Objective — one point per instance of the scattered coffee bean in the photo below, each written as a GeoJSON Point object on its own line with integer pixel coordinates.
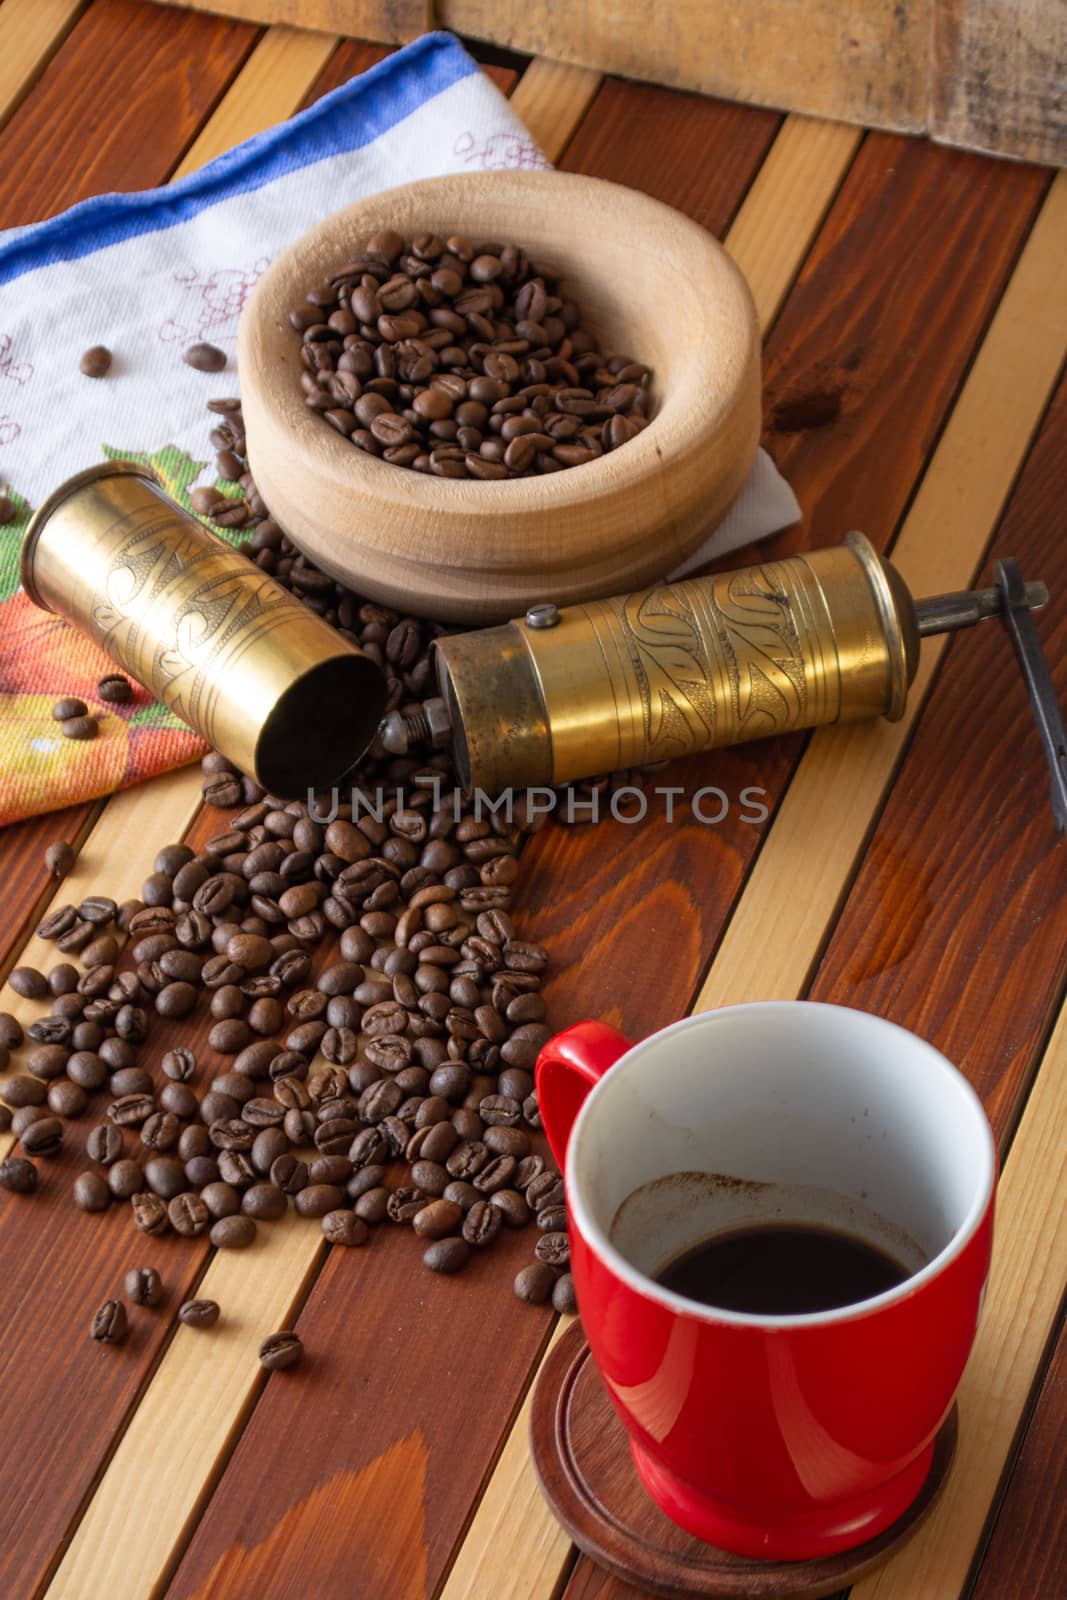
{"type": "Point", "coordinates": [7, 509]}
{"type": "Point", "coordinates": [344, 1228]}
{"type": "Point", "coordinates": [43, 1138]}
{"type": "Point", "coordinates": [563, 1297]}
{"type": "Point", "coordinates": [199, 1313]}
{"type": "Point", "coordinates": [143, 1286]}
{"type": "Point", "coordinates": [280, 1350]}
{"type": "Point", "coordinates": [91, 1192]}
{"type": "Point", "coordinates": [115, 688]}
{"type": "Point", "coordinates": [79, 728]}
{"type": "Point", "coordinates": [234, 1232]}
{"type": "Point", "coordinates": [535, 1283]}
{"type": "Point", "coordinates": [204, 357]}
{"type": "Point", "coordinates": [29, 984]}
{"type": "Point", "coordinates": [96, 361]}
{"type": "Point", "coordinates": [109, 1323]}
{"type": "Point", "coordinates": [447, 1255]}
{"type": "Point", "coordinates": [18, 1175]}
{"type": "Point", "coordinates": [59, 858]}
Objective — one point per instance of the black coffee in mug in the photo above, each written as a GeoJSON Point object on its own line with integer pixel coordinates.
{"type": "Point", "coordinates": [781, 1269]}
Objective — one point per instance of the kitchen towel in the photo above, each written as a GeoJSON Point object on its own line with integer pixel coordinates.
{"type": "Point", "coordinates": [149, 274]}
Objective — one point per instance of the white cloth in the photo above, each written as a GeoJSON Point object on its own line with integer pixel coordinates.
{"type": "Point", "coordinates": [148, 274]}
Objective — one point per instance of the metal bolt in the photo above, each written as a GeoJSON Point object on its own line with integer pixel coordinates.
{"type": "Point", "coordinates": [427, 724]}
{"type": "Point", "coordinates": [545, 615]}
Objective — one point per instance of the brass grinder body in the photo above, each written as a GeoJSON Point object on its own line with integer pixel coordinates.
{"type": "Point", "coordinates": [830, 636]}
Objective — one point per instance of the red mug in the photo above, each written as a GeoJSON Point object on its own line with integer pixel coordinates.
{"type": "Point", "coordinates": [782, 1437]}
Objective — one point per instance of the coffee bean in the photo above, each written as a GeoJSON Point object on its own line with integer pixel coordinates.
{"type": "Point", "coordinates": [109, 1324]}
{"type": "Point", "coordinates": [552, 1219]}
{"type": "Point", "coordinates": [438, 1219]}
{"type": "Point", "coordinates": [554, 1249]}
{"type": "Point", "coordinates": [29, 983]}
{"type": "Point", "coordinates": [66, 1099]}
{"type": "Point", "coordinates": [199, 1313]}
{"type": "Point", "coordinates": [43, 1138]}
{"type": "Point", "coordinates": [316, 1199]}
{"type": "Point", "coordinates": [535, 1283]}
{"type": "Point", "coordinates": [18, 1175]}
{"type": "Point", "coordinates": [79, 728]}
{"type": "Point", "coordinates": [482, 1223]}
{"type": "Point", "coordinates": [10, 1030]}
{"type": "Point", "coordinates": [96, 361]}
{"type": "Point", "coordinates": [116, 688]}
{"type": "Point", "coordinates": [447, 1255]}
{"type": "Point", "coordinates": [204, 357]}
{"type": "Point", "coordinates": [143, 1286]}
{"type": "Point", "coordinates": [280, 1350]}
{"type": "Point", "coordinates": [234, 1232]}
{"type": "Point", "coordinates": [149, 1213]}
{"type": "Point", "coordinates": [124, 1178]}
{"type": "Point", "coordinates": [168, 1176]}
{"type": "Point", "coordinates": [512, 1207]}
{"type": "Point", "coordinates": [59, 858]}
{"type": "Point", "coordinates": [104, 1144]}
{"type": "Point", "coordinates": [265, 1202]}
{"type": "Point", "coordinates": [221, 1199]}
{"type": "Point", "coordinates": [69, 706]}
{"type": "Point", "coordinates": [344, 1228]}
{"type": "Point", "coordinates": [189, 1216]}
{"type": "Point", "coordinates": [563, 1296]}
{"type": "Point", "coordinates": [23, 1090]}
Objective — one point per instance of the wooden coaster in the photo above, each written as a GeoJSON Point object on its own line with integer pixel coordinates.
{"type": "Point", "coordinates": [586, 1472]}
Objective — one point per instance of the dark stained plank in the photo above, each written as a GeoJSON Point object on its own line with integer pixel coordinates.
{"type": "Point", "coordinates": [658, 140]}
{"type": "Point", "coordinates": [116, 106]}
{"type": "Point", "coordinates": [423, 1373]}
{"type": "Point", "coordinates": [883, 302]}
{"type": "Point", "coordinates": [956, 924]}
{"type": "Point", "coordinates": [1026, 1556]}
{"type": "Point", "coordinates": [25, 882]}
{"type": "Point", "coordinates": [351, 57]}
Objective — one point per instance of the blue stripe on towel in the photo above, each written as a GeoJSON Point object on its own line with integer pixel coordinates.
{"type": "Point", "coordinates": [349, 118]}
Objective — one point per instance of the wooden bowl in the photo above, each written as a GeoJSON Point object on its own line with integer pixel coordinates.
{"type": "Point", "coordinates": [651, 284]}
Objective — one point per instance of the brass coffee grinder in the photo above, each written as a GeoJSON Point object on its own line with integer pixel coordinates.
{"type": "Point", "coordinates": [549, 698]}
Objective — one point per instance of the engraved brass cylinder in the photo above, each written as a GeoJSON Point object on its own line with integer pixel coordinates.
{"type": "Point", "coordinates": [643, 678]}
{"type": "Point", "coordinates": [263, 679]}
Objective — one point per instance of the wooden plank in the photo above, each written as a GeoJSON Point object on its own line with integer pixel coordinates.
{"type": "Point", "coordinates": [115, 104]}
{"type": "Point", "coordinates": [349, 59]}
{"type": "Point", "coordinates": [870, 287]}
{"type": "Point", "coordinates": [998, 77]}
{"type": "Point", "coordinates": [325, 1514]}
{"type": "Point", "coordinates": [771, 942]}
{"type": "Point", "coordinates": [30, 33]}
{"type": "Point", "coordinates": [488, 1574]}
{"type": "Point", "coordinates": [551, 98]}
{"type": "Point", "coordinates": [389, 21]}
{"type": "Point", "coordinates": [1021, 1310]}
{"type": "Point", "coordinates": [1027, 1551]}
{"type": "Point", "coordinates": [270, 88]}
{"type": "Point", "coordinates": [858, 60]}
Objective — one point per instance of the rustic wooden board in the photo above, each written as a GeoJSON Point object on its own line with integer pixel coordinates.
{"type": "Point", "coordinates": [873, 288]}
{"type": "Point", "coordinates": [998, 77]}
{"type": "Point", "coordinates": [116, 106]}
{"type": "Point", "coordinates": [1027, 1550]}
{"type": "Point", "coordinates": [861, 61]}
{"type": "Point", "coordinates": [390, 21]}
{"type": "Point", "coordinates": [551, 98]}
{"type": "Point", "coordinates": [30, 33]}
{"type": "Point", "coordinates": [28, 885]}
{"type": "Point", "coordinates": [328, 1473]}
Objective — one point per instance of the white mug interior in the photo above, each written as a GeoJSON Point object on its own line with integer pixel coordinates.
{"type": "Point", "coordinates": [779, 1110]}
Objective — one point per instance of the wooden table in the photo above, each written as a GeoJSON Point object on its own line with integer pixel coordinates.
{"type": "Point", "coordinates": [915, 307]}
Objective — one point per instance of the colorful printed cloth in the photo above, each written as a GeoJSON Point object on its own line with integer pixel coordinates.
{"type": "Point", "coordinates": [148, 274]}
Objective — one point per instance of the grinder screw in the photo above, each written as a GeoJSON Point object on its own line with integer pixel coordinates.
{"type": "Point", "coordinates": [427, 724]}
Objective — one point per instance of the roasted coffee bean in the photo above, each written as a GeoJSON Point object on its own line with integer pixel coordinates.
{"type": "Point", "coordinates": [482, 1223]}
{"type": "Point", "coordinates": [405, 1203]}
{"type": "Point", "coordinates": [130, 1110]}
{"type": "Point", "coordinates": [95, 362]}
{"type": "Point", "coordinates": [59, 858]}
{"type": "Point", "coordinates": [143, 1286]}
{"type": "Point", "coordinates": [125, 1178]}
{"type": "Point", "coordinates": [109, 1324]}
{"type": "Point", "coordinates": [552, 1219]}
{"type": "Point", "coordinates": [160, 1131]}
{"type": "Point", "coordinates": [280, 1350]}
{"type": "Point", "coordinates": [554, 1249]}
{"type": "Point", "coordinates": [344, 1228]}
{"type": "Point", "coordinates": [104, 1145]}
{"type": "Point", "coordinates": [221, 1199]}
{"type": "Point", "coordinates": [188, 1214]}
{"type": "Point", "coordinates": [149, 1212]}
{"type": "Point", "coordinates": [116, 688]}
{"type": "Point", "coordinates": [199, 1313]}
{"type": "Point", "coordinates": [467, 1159]}
{"type": "Point", "coordinates": [545, 1190]}
{"type": "Point", "coordinates": [535, 1283]}
{"type": "Point", "coordinates": [447, 1255]}
{"type": "Point", "coordinates": [438, 1219]}
{"type": "Point", "coordinates": [29, 983]}
{"type": "Point", "coordinates": [317, 1198]}
{"type": "Point", "coordinates": [204, 357]}
{"type": "Point", "coordinates": [563, 1297]}
{"type": "Point", "coordinates": [512, 1207]}
{"type": "Point", "coordinates": [23, 1090]}
{"type": "Point", "coordinates": [18, 1175]}
{"type": "Point", "coordinates": [266, 1202]}
{"type": "Point", "coordinates": [66, 1099]}
{"type": "Point", "coordinates": [10, 1031]}
{"type": "Point", "coordinates": [168, 1176]}
{"type": "Point", "coordinates": [235, 1232]}
{"type": "Point", "coordinates": [43, 1138]}
{"type": "Point", "coordinates": [179, 1064]}
{"type": "Point", "coordinates": [496, 1174]}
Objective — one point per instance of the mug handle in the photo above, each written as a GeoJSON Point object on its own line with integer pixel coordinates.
{"type": "Point", "coordinates": [568, 1066]}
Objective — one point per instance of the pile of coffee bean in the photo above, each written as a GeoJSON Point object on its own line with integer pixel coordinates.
{"type": "Point", "coordinates": [464, 360]}
{"type": "Point", "coordinates": [390, 1084]}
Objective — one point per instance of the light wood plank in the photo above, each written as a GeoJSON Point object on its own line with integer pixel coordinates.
{"type": "Point", "coordinates": [30, 30]}
{"type": "Point", "coordinates": [115, 859]}
{"type": "Point", "coordinates": [1020, 1315]}
{"type": "Point", "coordinates": [271, 86]}
{"type": "Point", "coordinates": [551, 98]}
{"type": "Point", "coordinates": [774, 938]}
{"type": "Point", "coordinates": [984, 441]}
{"type": "Point", "coordinates": [150, 1495]}
{"type": "Point", "coordinates": [783, 211]}
{"type": "Point", "coordinates": [997, 77]}
{"type": "Point", "coordinates": [512, 1517]}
